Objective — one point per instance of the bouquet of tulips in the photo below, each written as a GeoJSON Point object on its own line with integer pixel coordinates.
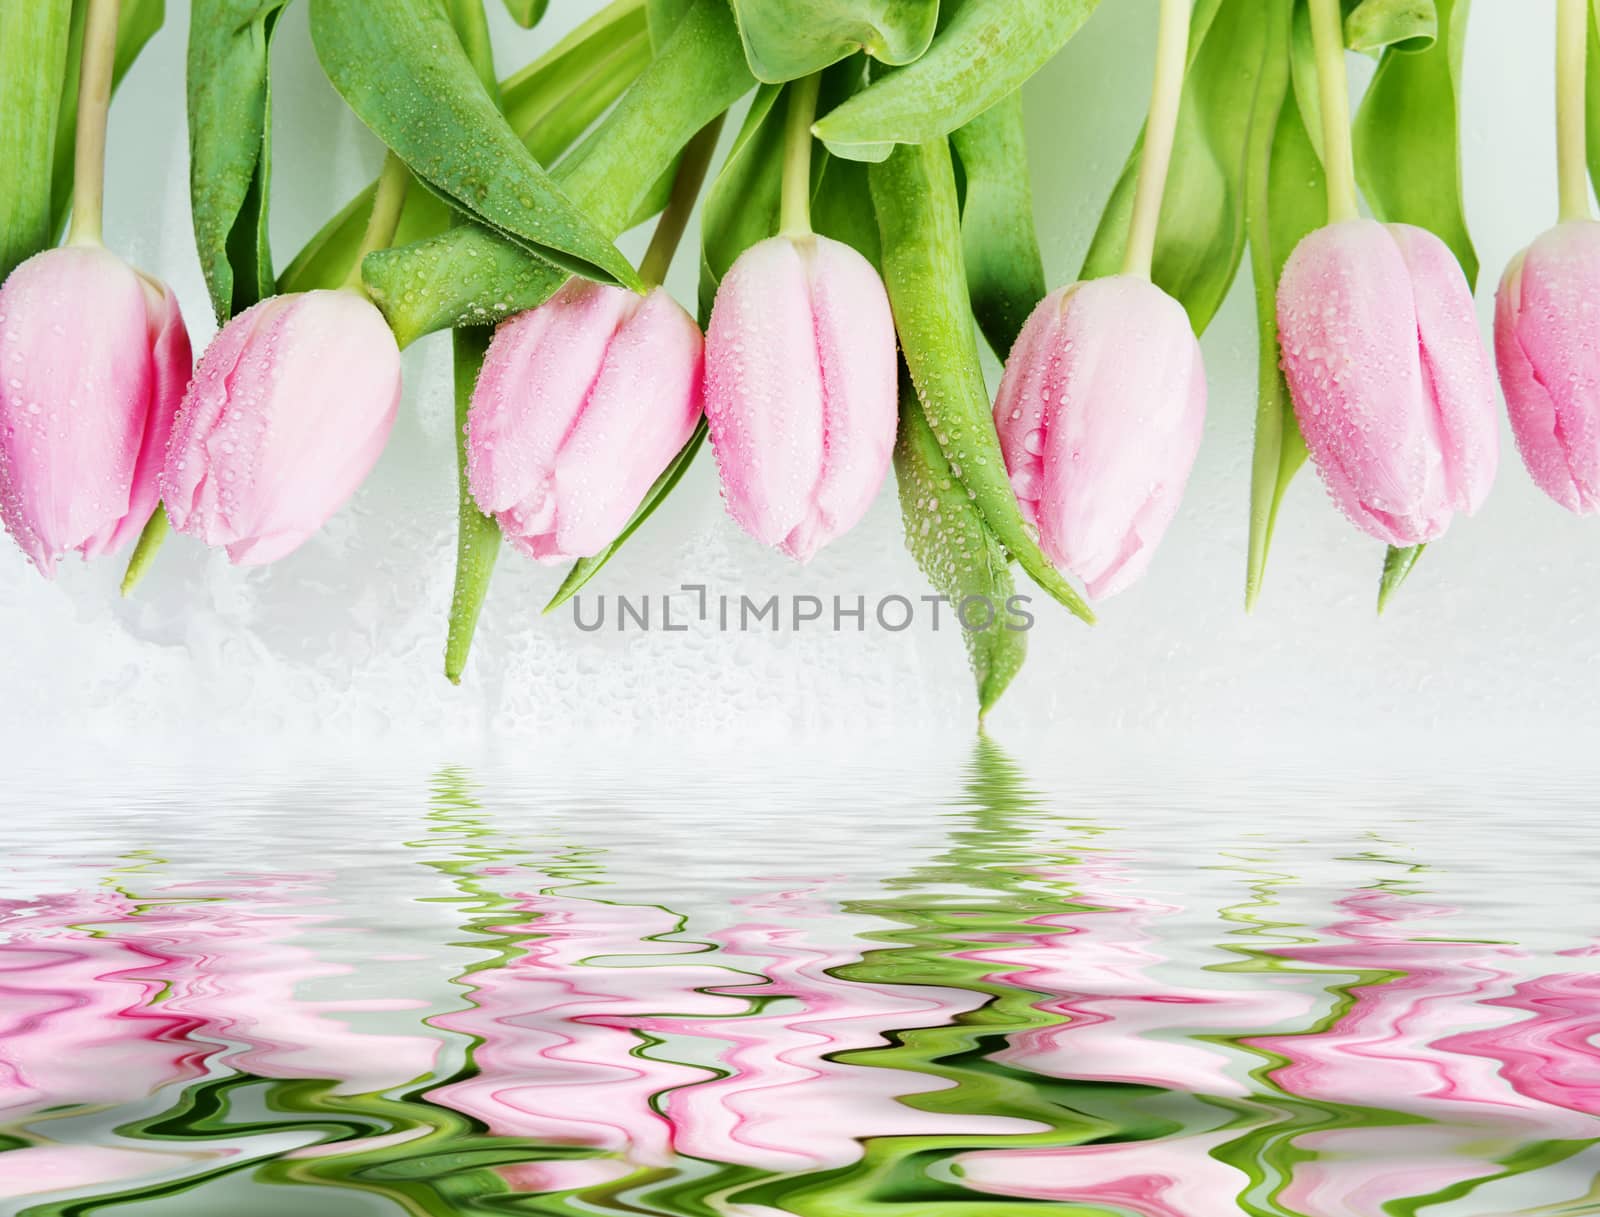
{"type": "Point", "coordinates": [870, 217]}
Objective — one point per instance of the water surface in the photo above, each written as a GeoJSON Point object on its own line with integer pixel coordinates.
{"type": "Point", "coordinates": [923, 986]}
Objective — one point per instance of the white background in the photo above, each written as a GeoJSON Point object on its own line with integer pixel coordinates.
{"type": "Point", "coordinates": [1492, 647]}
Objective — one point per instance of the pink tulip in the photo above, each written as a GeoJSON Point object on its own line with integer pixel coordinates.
{"type": "Point", "coordinates": [1392, 386]}
{"type": "Point", "coordinates": [801, 392]}
{"type": "Point", "coordinates": [582, 403]}
{"type": "Point", "coordinates": [289, 410]}
{"type": "Point", "coordinates": [93, 359]}
{"type": "Point", "coordinates": [1100, 413]}
{"type": "Point", "coordinates": [1545, 316]}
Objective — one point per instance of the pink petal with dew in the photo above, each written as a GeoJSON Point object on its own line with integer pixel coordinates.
{"type": "Point", "coordinates": [1347, 326]}
{"type": "Point", "coordinates": [764, 391]}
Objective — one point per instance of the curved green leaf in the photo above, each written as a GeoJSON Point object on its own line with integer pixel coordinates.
{"type": "Point", "coordinates": [984, 51]}
{"type": "Point", "coordinates": [787, 39]}
{"type": "Point", "coordinates": [477, 535]}
{"type": "Point", "coordinates": [1005, 273]}
{"type": "Point", "coordinates": [549, 104]}
{"type": "Point", "coordinates": [230, 147]}
{"type": "Point", "coordinates": [526, 13]}
{"type": "Point", "coordinates": [1407, 137]}
{"type": "Point", "coordinates": [1284, 201]}
{"type": "Point", "coordinates": [1397, 566]}
{"type": "Point", "coordinates": [1201, 236]}
{"type": "Point", "coordinates": [33, 61]}
{"type": "Point", "coordinates": [914, 195]}
{"type": "Point", "coordinates": [1406, 25]}
{"type": "Point", "coordinates": [947, 536]}
{"type": "Point", "coordinates": [470, 274]}
{"type": "Point", "coordinates": [401, 68]}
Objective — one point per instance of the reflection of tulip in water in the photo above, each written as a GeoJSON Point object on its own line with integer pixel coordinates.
{"type": "Point", "coordinates": [787, 1104]}
{"type": "Point", "coordinates": [1405, 1044]}
{"type": "Point", "coordinates": [105, 1000]}
{"type": "Point", "coordinates": [559, 1055]}
{"type": "Point", "coordinates": [93, 359]}
{"type": "Point", "coordinates": [1121, 1024]}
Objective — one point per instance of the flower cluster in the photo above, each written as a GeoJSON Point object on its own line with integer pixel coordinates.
{"type": "Point", "coordinates": [838, 343]}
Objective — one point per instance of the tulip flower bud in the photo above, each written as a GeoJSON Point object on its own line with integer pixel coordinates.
{"type": "Point", "coordinates": [290, 407]}
{"type": "Point", "coordinates": [93, 359]}
{"type": "Point", "coordinates": [1099, 414]}
{"type": "Point", "coordinates": [801, 394]}
{"type": "Point", "coordinates": [1392, 386]}
{"type": "Point", "coordinates": [582, 402]}
{"type": "Point", "coordinates": [1545, 317]}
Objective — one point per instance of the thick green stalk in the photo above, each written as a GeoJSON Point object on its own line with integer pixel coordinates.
{"type": "Point", "coordinates": [1333, 89]}
{"type": "Point", "coordinates": [1572, 36]}
{"type": "Point", "coordinates": [1172, 52]}
{"type": "Point", "coordinates": [94, 109]}
{"type": "Point", "coordinates": [387, 205]}
{"type": "Point", "coordinates": [795, 214]}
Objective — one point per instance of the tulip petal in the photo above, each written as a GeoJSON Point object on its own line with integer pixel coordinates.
{"type": "Point", "coordinates": [1457, 373]}
{"type": "Point", "coordinates": [76, 380]}
{"type": "Point", "coordinates": [640, 411]}
{"type": "Point", "coordinates": [764, 391]}
{"type": "Point", "coordinates": [536, 377]}
{"type": "Point", "coordinates": [1546, 312]}
{"type": "Point", "coordinates": [855, 353]}
{"type": "Point", "coordinates": [290, 409]}
{"type": "Point", "coordinates": [1347, 324]}
{"type": "Point", "coordinates": [1113, 371]}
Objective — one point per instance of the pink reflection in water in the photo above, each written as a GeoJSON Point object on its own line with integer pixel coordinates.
{"type": "Point", "coordinates": [561, 1057]}
{"type": "Point", "coordinates": [105, 999]}
{"type": "Point", "coordinates": [784, 1104]}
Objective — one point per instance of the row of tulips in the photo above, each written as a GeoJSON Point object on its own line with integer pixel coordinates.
{"type": "Point", "coordinates": [586, 401]}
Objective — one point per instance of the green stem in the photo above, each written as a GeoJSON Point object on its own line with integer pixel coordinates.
{"type": "Point", "coordinates": [98, 67]}
{"type": "Point", "coordinates": [795, 217]}
{"type": "Point", "coordinates": [680, 205]}
{"type": "Point", "coordinates": [1333, 91]}
{"type": "Point", "coordinates": [144, 552]}
{"type": "Point", "coordinates": [387, 205]}
{"type": "Point", "coordinates": [1172, 52]}
{"type": "Point", "coordinates": [1572, 37]}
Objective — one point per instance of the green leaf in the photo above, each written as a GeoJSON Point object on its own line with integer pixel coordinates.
{"type": "Point", "coordinates": [1406, 25]}
{"type": "Point", "coordinates": [1407, 139]}
{"type": "Point", "coordinates": [1591, 96]}
{"type": "Point", "coordinates": [230, 147]}
{"type": "Point", "coordinates": [1284, 201]}
{"type": "Point", "coordinates": [1397, 567]}
{"type": "Point", "coordinates": [137, 23]}
{"type": "Point", "coordinates": [1005, 273]}
{"type": "Point", "coordinates": [586, 569]}
{"type": "Point", "coordinates": [663, 17]}
{"type": "Point", "coordinates": [947, 536]}
{"type": "Point", "coordinates": [549, 104]}
{"type": "Point", "coordinates": [526, 13]}
{"type": "Point", "coordinates": [914, 195]}
{"type": "Point", "coordinates": [470, 274]}
{"type": "Point", "coordinates": [401, 68]}
{"type": "Point", "coordinates": [788, 39]}
{"type": "Point", "coordinates": [33, 60]}
{"type": "Point", "coordinates": [985, 51]}
{"type": "Point", "coordinates": [1201, 236]}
